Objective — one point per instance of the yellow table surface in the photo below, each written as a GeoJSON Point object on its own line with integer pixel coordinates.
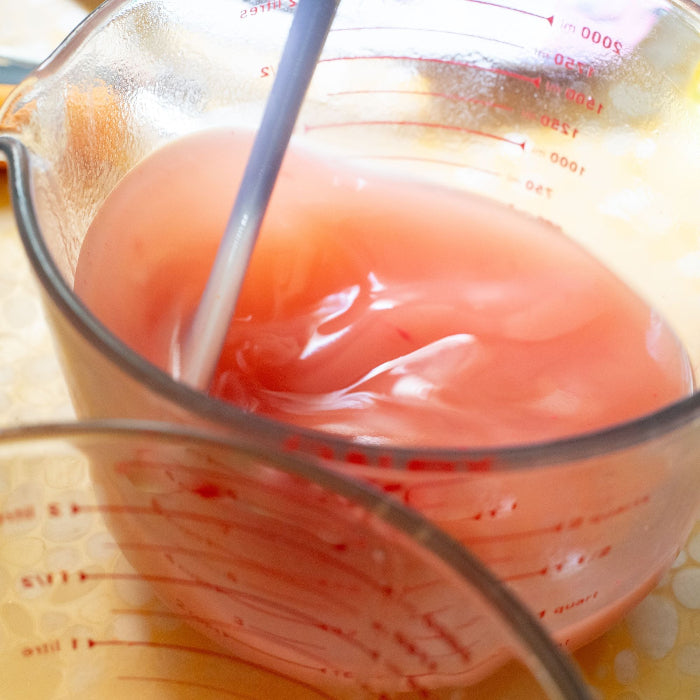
{"type": "Point", "coordinates": [653, 654]}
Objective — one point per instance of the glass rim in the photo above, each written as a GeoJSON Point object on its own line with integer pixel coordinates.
{"type": "Point", "coordinates": [409, 522]}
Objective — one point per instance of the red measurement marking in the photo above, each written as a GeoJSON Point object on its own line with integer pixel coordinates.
{"type": "Point", "coordinates": [463, 626]}
{"type": "Point", "coordinates": [526, 574]}
{"type": "Point", "coordinates": [538, 189]}
{"type": "Point", "coordinates": [481, 465]}
{"type": "Point", "coordinates": [44, 580]}
{"type": "Point", "coordinates": [411, 682]}
{"type": "Point", "coordinates": [185, 684]}
{"type": "Point", "coordinates": [421, 93]}
{"type": "Point", "coordinates": [304, 541]}
{"type": "Point", "coordinates": [166, 580]}
{"type": "Point", "coordinates": [267, 6]}
{"type": "Point", "coordinates": [281, 614]}
{"type": "Point", "coordinates": [289, 544]}
{"type": "Point", "coordinates": [571, 605]}
{"type": "Point", "coordinates": [350, 638]}
{"type": "Point", "coordinates": [407, 645]}
{"type": "Point", "coordinates": [184, 649]}
{"type": "Point", "coordinates": [231, 622]}
{"type": "Point", "coordinates": [605, 41]}
{"type": "Point", "coordinates": [435, 465]}
{"type": "Point", "coordinates": [452, 642]}
{"type": "Point", "coordinates": [20, 514]}
{"type": "Point", "coordinates": [208, 653]}
{"type": "Point", "coordinates": [290, 642]}
{"type": "Point", "coordinates": [321, 586]}
{"type": "Point", "coordinates": [489, 663]}
{"type": "Point", "coordinates": [323, 558]}
{"type": "Point", "coordinates": [177, 515]}
{"type": "Point", "coordinates": [359, 457]}
{"type": "Point", "coordinates": [219, 485]}
{"type": "Point", "coordinates": [424, 125]}
{"type": "Point", "coordinates": [302, 443]}
{"type": "Point", "coordinates": [643, 500]}
{"type": "Point", "coordinates": [423, 30]}
{"type": "Point", "coordinates": [562, 566]}
{"type": "Point", "coordinates": [294, 644]}
{"type": "Point", "coordinates": [524, 534]}
{"type": "Point", "coordinates": [495, 512]}
{"type": "Point", "coordinates": [423, 586]}
{"type": "Point", "coordinates": [218, 627]}
{"type": "Point", "coordinates": [513, 9]}
{"type": "Point", "coordinates": [444, 61]}
{"type": "Point", "coordinates": [570, 63]}
{"type": "Point", "coordinates": [259, 603]}
{"type": "Point", "coordinates": [171, 550]}
{"type": "Point", "coordinates": [45, 649]}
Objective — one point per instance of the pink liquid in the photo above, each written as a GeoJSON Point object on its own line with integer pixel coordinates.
{"type": "Point", "coordinates": [383, 310]}
{"type": "Point", "coordinates": [394, 312]}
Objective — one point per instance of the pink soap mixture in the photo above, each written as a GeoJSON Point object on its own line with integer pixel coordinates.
{"type": "Point", "coordinates": [394, 312]}
{"type": "Point", "coordinates": [381, 309]}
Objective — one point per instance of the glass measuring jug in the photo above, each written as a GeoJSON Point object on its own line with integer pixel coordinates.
{"type": "Point", "coordinates": [583, 113]}
{"type": "Point", "coordinates": [317, 586]}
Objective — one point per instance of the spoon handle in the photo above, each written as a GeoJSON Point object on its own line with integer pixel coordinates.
{"type": "Point", "coordinates": [205, 336]}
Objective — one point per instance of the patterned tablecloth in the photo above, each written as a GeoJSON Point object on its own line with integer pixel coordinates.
{"type": "Point", "coordinates": [654, 654]}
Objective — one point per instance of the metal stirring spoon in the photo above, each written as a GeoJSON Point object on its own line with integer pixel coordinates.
{"type": "Point", "coordinates": [205, 336]}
